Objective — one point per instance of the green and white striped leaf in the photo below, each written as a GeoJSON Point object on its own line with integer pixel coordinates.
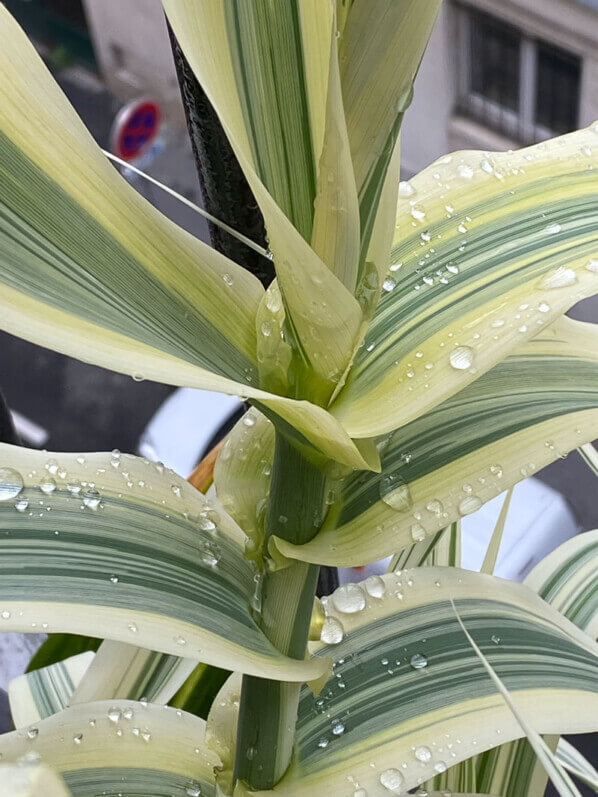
{"type": "Point", "coordinates": [92, 269]}
{"type": "Point", "coordinates": [536, 405]}
{"type": "Point", "coordinates": [488, 250]}
{"type": "Point", "coordinates": [568, 579]}
{"type": "Point", "coordinates": [383, 716]}
{"type": "Point", "coordinates": [440, 549]}
{"type": "Point", "coordinates": [545, 756]}
{"type": "Point", "coordinates": [122, 548]}
{"type": "Point", "coordinates": [126, 671]}
{"type": "Point", "coordinates": [380, 51]}
{"type": "Point", "coordinates": [120, 747]}
{"type": "Point", "coordinates": [39, 694]}
{"type": "Point", "coordinates": [265, 68]}
{"type": "Point", "coordinates": [30, 780]}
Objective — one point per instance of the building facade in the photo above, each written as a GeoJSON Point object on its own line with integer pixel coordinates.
{"type": "Point", "coordinates": [502, 75]}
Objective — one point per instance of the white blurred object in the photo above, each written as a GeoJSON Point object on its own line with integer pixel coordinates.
{"type": "Point", "coordinates": [539, 518]}
{"type": "Point", "coordinates": [184, 425]}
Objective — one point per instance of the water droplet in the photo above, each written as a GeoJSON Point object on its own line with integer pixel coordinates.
{"type": "Point", "coordinates": [440, 767]}
{"type": "Point", "coordinates": [332, 631]}
{"type": "Point", "coordinates": [405, 189]}
{"type": "Point", "coordinates": [389, 284]}
{"type": "Point", "coordinates": [228, 280]}
{"type": "Point", "coordinates": [560, 278]}
{"type": "Point", "coordinates": [461, 358]}
{"type": "Point", "coordinates": [392, 780]}
{"type": "Point", "coordinates": [323, 742]}
{"type": "Point", "coordinates": [543, 307]}
{"type": "Point", "coordinates": [338, 728]}
{"type": "Point", "coordinates": [32, 733]}
{"type": "Point", "coordinates": [464, 170]}
{"type": "Point", "coordinates": [11, 483]}
{"type": "Point", "coordinates": [495, 639]}
{"type": "Point", "coordinates": [360, 793]}
{"type": "Point", "coordinates": [114, 579]}
{"type": "Point", "coordinates": [114, 714]}
{"type": "Point", "coordinates": [418, 661]}
{"type": "Point", "coordinates": [132, 628]}
{"type": "Point", "coordinates": [91, 498]}
{"type": "Point", "coordinates": [435, 506]}
{"type": "Point", "coordinates": [496, 470]}
{"type": "Point", "coordinates": [5, 615]}
{"type": "Point", "coordinates": [592, 265]}
{"type": "Point", "coordinates": [486, 166]}
{"type": "Point", "coordinates": [418, 213]}
{"type": "Point", "coordinates": [74, 487]}
{"type": "Point", "coordinates": [193, 789]}
{"type": "Point", "coordinates": [423, 754]}
{"type": "Point", "coordinates": [330, 497]}
{"type": "Point", "coordinates": [553, 229]}
{"type": "Point", "coordinates": [176, 490]}
{"type": "Point", "coordinates": [375, 586]}
{"type": "Point", "coordinates": [349, 598]}
{"type": "Point", "coordinates": [394, 492]}
{"type": "Point", "coordinates": [47, 486]}
{"type": "Point", "coordinates": [78, 738]}
{"type": "Point", "coordinates": [205, 524]}
{"type": "Point", "coordinates": [21, 505]}
{"type": "Point", "coordinates": [469, 504]}
{"type": "Point", "coordinates": [418, 532]}
{"type": "Point", "coordinates": [211, 554]}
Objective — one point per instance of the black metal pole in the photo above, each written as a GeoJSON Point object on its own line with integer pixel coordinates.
{"type": "Point", "coordinates": [226, 192]}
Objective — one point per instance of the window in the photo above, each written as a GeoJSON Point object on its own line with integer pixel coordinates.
{"type": "Point", "coordinates": [520, 86]}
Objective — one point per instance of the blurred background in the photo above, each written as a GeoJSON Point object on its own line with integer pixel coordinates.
{"type": "Point", "coordinates": [495, 76]}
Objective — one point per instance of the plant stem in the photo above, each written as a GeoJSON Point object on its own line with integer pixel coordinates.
{"type": "Point", "coordinates": [268, 709]}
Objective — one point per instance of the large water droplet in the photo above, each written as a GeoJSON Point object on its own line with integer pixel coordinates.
{"type": "Point", "coordinates": [440, 767]}
{"type": "Point", "coordinates": [435, 506]}
{"type": "Point", "coordinates": [91, 498]}
{"type": "Point", "coordinates": [114, 714]}
{"type": "Point", "coordinates": [193, 789]}
{"type": "Point", "coordinates": [332, 631]}
{"type": "Point", "coordinates": [469, 504]}
{"type": "Point", "coordinates": [394, 492]}
{"type": "Point", "coordinates": [423, 753]}
{"type": "Point", "coordinates": [560, 278]}
{"type": "Point", "coordinates": [418, 213]}
{"type": "Point", "coordinates": [375, 586]}
{"type": "Point", "coordinates": [47, 486]}
{"type": "Point", "coordinates": [338, 728]}
{"type": "Point", "coordinates": [392, 780]}
{"type": "Point", "coordinates": [418, 661]}
{"type": "Point", "coordinates": [461, 358]}
{"type": "Point", "coordinates": [11, 483]}
{"type": "Point", "coordinates": [553, 229]}
{"type": "Point", "coordinates": [389, 284]}
{"type": "Point", "coordinates": [418, 532]}
{"type": "Point", "coordinates": [349, 599]}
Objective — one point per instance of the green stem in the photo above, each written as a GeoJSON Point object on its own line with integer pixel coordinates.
{"type": "Point", "coordinates": [268, 709]}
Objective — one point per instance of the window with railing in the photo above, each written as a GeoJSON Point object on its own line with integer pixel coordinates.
{"type": "Point", "coordinates": [521, 86]}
